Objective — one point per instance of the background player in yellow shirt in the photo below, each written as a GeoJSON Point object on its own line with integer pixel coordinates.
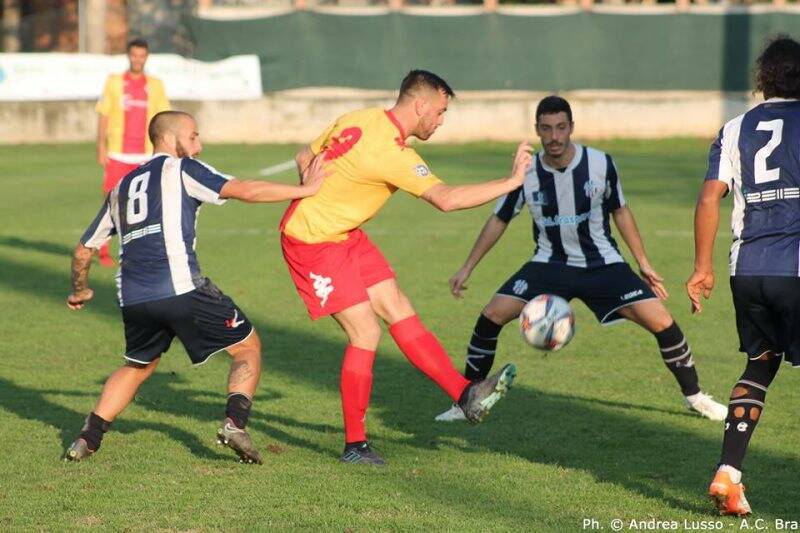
{"type": "Point", "coordinates": [128, 103]}
{"type": "Point", "coordinates": [338, 271]}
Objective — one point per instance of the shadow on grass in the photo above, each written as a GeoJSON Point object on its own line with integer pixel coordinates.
{"type": "Point", "coordinates": [613, 441]}
{"type": "Point", "coordinates": [36, 246]}
{"type": "Point", "coordinates": [32, 404]}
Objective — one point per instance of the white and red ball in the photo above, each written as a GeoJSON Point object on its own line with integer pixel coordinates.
{"type": "Point", "coordinates": [547, 322]}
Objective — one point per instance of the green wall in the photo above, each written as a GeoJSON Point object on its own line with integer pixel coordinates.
{"type": "Point", "coordinates": [491, 51]}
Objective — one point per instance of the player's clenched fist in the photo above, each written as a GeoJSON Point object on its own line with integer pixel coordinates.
{"type": "Point", "coordinates": [76, 300]}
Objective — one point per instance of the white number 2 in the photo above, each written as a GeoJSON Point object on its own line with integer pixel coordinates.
{"type": "Point", "coordinates": [137, 199]}
{"type": "Point", "coordinates": [762, 173]}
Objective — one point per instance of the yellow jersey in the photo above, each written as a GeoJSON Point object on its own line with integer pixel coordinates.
{"type": "Point", "coordinates": [129, 105]}
{"type": "Point", "coordinates": [370, 161]}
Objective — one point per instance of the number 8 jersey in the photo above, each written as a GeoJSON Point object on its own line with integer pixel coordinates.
{"type": "Point", "coordinates": [757, 155]}
{"type": "Point", "coordinates": [154, 211]}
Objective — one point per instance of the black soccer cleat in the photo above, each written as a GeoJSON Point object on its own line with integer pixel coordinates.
{"type": "Point", "coordinates": [478, 398]}
{"type": "Point", "coordinates": [361, 454]}
{"type": "Point", "coordinates": [78, 451]}
{"type": "Point", "coordinates": [239, 441]}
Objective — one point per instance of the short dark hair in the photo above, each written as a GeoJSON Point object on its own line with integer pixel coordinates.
{"type": "Point", "coordinates": [137, 43]}
{"type": "Point", "coordinates": [416, 79]}
{"type": "Point", "coordinates": [162, 122]}
{"type": "Point", "coordinates": [551, 105]}
{"type": "Point", "coordinates": [778, 68]}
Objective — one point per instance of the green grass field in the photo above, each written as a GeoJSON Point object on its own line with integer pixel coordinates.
{"type": "Point", "coordinates": [594, 431]}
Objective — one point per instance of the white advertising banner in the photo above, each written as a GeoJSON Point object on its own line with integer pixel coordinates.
{"type": "Point", "coordinates": [34, 77]}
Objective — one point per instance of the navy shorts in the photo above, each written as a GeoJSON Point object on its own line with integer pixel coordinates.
{"type": "Point", "coordinates": [605, 290]}
{"type": "Point", "coordinates": [768, 315]}
{"type": "Point", "coordinates": [204, 320]}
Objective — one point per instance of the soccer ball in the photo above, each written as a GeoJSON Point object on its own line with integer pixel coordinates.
{"type": "Point", "coordinates": [547, 322]}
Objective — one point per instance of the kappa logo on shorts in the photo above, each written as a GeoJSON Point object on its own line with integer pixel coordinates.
{"type": "Point", "coordinates": [421, 171]}
{"type": "Point", "coordinates": [520, 286]}
{"type": "Point", "coordinates": [233, 322]}
{"type": "Point", "coordinates": [322, 287]}
{"type": "Point", "coordinates": [632, 294]}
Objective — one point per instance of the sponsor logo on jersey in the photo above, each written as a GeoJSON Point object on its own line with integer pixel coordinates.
{"type": "Point", "coordinates": [520, 286]}
{"type": "Point", "coordinates": [632, 294]}
{"type": "Point", "coordinates": [538, 198]}
{"type": "Point", "coordinates": [421, 171]}
{"type": "Point", "coordinates": [593, 188]}
{"type": "Point", "coordinates": [322, 287]}
{"type": "Point", "coordinates": [565, 220]}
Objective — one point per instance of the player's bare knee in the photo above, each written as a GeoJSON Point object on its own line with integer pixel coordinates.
{"type": "Point", "coordinates": [145, 370]}
{"type": "Point", "coordinates": [499, 314]}
{"type": "Point", "coordinates": [660, 321]}
{"type": "Point", "coordinates": [366, 335]}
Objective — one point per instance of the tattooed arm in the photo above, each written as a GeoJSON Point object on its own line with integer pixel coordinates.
{"type": "Point", "coordinates": [81, 293]}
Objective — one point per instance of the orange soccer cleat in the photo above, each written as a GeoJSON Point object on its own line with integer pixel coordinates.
{"type": "Point", "coordinates": [728, 495]}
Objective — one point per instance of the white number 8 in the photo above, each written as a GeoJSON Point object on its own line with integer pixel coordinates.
{"type": "Point", "coordinates": [762, 173]}
{"type": "Point", "coordinates": [137, 199]}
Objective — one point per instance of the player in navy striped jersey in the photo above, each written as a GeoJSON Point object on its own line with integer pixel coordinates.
{"type": "Point", "coordinates": [757, 158]}
{"type": "Point", "coordinates": [162, 292]}
{"type": "Point", "coordinates": [572, 192]}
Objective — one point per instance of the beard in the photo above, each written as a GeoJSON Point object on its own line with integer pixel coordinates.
{"type": "Point", "coordinates": [182, 151]}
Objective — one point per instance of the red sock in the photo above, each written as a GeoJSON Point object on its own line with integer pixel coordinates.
{"type": "Point", "coordinates": [355, 386]}
{"type": "Point", "coordinates": [104, 251]}
{"type": "Point", "coordinates": [426, 353]}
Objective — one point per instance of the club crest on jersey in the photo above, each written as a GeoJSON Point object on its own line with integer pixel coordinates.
{"type": "Point", "coordinates": [520, 286]}
{"type": "Point", "coordinates": [538, 198]}
{"type": "Point", "coordinates": [593, 188]}
{"type": "Point", "coordinates": [421, 171]}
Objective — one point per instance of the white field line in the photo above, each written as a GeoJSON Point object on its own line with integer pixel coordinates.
{"type": "Point", "coordinates": [277, 169]}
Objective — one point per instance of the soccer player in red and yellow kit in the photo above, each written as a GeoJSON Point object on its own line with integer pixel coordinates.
{"type": "Point", "coordinates": [128, 103]}
{"type": "Point", "coordinates": [338, 271]}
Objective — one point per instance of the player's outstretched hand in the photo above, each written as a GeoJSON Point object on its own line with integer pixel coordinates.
{"type": "Point", "coordinates": [458, 282]}
{"type": "Point", "coordinates": [699, 283]}
{"type": "Point", "coordinates": [77, 300]}
{"type": "Point", "coordinates": [315, 174]}
{"type": "Point", "coordinates": [654, 281]}
{"type": "Point", "coordinates": [522, 161]}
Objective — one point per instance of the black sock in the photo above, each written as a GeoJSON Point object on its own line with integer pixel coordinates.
{"type": "Point", "coordinates": [357, 444]}
{"type": "Point", "coordinates": [745, 408]}
{"type": "Point", "coordinates": [677, 356]}
{"type": "Point", "coordinates": [93, 430]}
{"type": "Point", "coordinates": [238, 409]}
{"type": "Point", "coordinates": [480, 352]}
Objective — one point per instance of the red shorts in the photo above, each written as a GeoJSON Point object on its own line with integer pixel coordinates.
{"type": "Point", "coordinates": [332, 276]}
{"type": "Point", "coordinates": [115, 171]}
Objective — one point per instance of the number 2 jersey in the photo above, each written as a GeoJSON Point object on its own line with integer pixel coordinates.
{"type": "Point", "coordinates": [154, 212]}
{"type": "Point", "coordinates": [757, 155]}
